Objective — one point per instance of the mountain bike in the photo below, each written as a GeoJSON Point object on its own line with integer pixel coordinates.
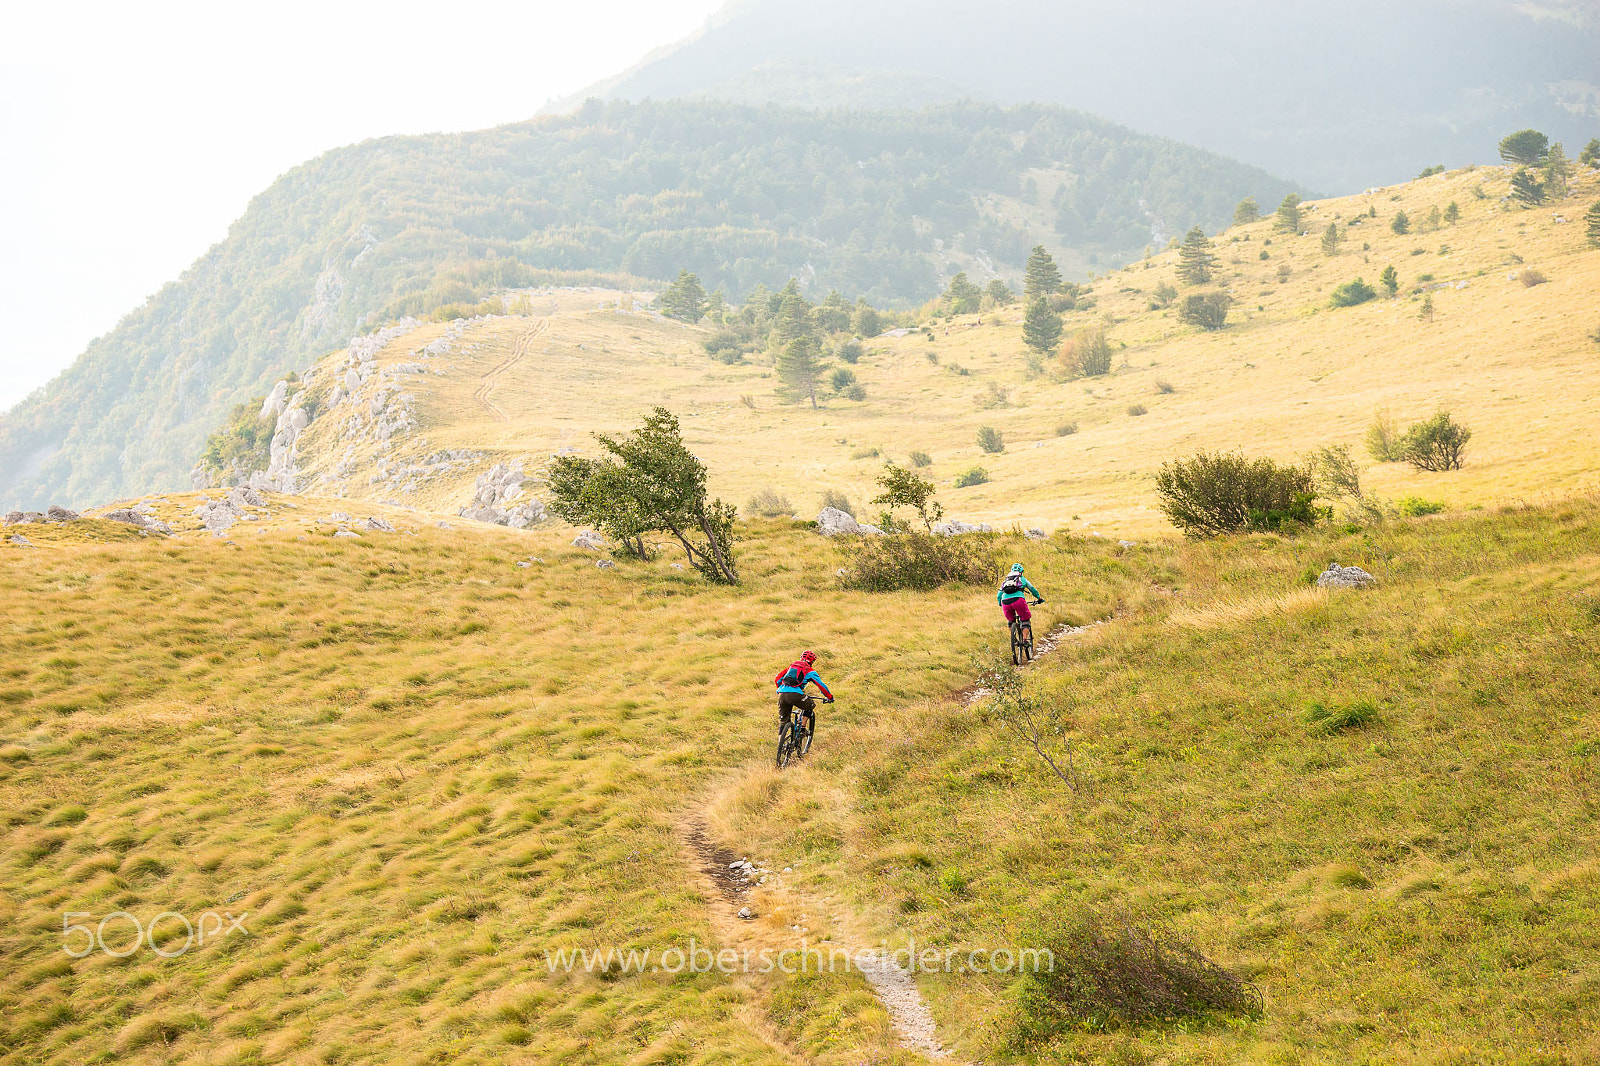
{"type": "Point", "coordinates": [1022, 639]}
{"type": "Point", "coordinates": [794, 739]}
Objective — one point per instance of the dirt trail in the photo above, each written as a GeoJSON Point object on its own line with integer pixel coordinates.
{"type": "Point", "coordinates": [731, 887]}
{"type": "Point", "coordinates": [518, 351]}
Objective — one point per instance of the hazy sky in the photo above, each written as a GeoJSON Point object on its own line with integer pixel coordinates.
{"type": "Point", "coordinates": [132, 134]}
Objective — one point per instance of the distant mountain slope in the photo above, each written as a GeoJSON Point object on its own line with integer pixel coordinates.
{"type": "Point", "coordinates": [1363, 93]}
{"type": "Point", "coordinates": [882, 204]}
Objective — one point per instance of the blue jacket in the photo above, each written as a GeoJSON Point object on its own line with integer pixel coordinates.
{"type": "Point", "coordinates": [809, 678]}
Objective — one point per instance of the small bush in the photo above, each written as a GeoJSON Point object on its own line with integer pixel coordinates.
{"type": "Point", "coordinates": [968, 478]}
{"type": "Point", "coordinates": [990, 440]}
{"type": "Point", "coordinates": [1530, 278]}
{"type": "Point", "coordinates": [748, 400]}
{"type": "Point", "coordinates": [865, 453]}
{"type": "Point", "coordinates": [838, 501]}
{"type": "Point", "coordinates": [842, 379]}
{"type": "Point", "coordinates": [921, 459]}
{"type": "Point", "coordinates": [1436, 444]}
{"type": "Point", "coordinates": [725, 346]}
{"type": "Point", "coordinates": [1137, 409]}
{"type": "Point", "coordinates": [768, 503]}
{"type": "Point", "coordinates": [1208, 310]}
{"type": "Point", "coordinates": [933, 357]}
{"type": "Point", "coordinates": [1210, 495]}
{"type": "Point", "coordinates": [851, 351]}
{"type": "Point", "coordinates": [1416, 507]}
{"type": "Point", "coordinates": [1066, 429]}
{"type": "Point", "coordinates": [918, 560]}
{"type": "Point", "coordinates": [856, 392]}
{"type": "Point", "coordinates": [1110, 971]}
{"type": "Point", "coordinates": [1332, 718]}
{"type": "Point", "coordinates": [993, 395]}
{"type": "Point", "coordinates": [1383, 438]}
{"type": "Point", "coordinates": [1163, 387]}
{"type": "Point", "coordinates": [1351, 293]}
{"type": "Point", "coordinates": [1086, 354]}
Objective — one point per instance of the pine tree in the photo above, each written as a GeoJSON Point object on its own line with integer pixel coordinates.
{"type": "Point", "coordinates": [1247, 212]}
{"type": "Point", "coordinates": [1043, 278]}
{"type": "Point", "coordinates": [1401, 223]}
{"type": "Point", "coordinates": [964, 296]}
{"type": "Point", "coordinates": [1390, 278]}
{"type": "Point", "coordinates": [800, 367]}
{"type": "Point", "coordinates": [684, 299]}
{"type": "Point", "coordinates": [1452, 214]}
{"type": "Point", "coordinates": [1557, 168]}
{"type": "Point", "coordinates": [793, 320]}
{"type": "Point", "coordinates": [1330, 239]}
{"type": "Point", "coordinates": [1527, 188]}
{"type": "Point", "coordinates": [1526, 147]}
{"type": "Point", "coordinates": [1593, 220]}
{"type": "Point", "coordinates": [1289, 214]}
{"type": "Point", "coordinates": [1426, 314]}
{"type": "Point", "coordinates": [1041, 327]}
{"type": "Point", "coordinates": [1590, 156]}
{"type": "Point", "coordinates": [1195, 260]}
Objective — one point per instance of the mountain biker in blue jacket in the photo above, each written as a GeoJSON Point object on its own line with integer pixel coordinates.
{"type": "Point", "coordinates": [791, 684]}
{"type": "Point", "coordinates": [1013, 596]}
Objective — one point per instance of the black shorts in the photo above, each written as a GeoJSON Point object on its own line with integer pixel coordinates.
{"type": "Point", "coordinates": [788, 701]}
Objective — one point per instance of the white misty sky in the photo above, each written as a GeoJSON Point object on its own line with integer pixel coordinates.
{"type": "Point", "coordinates": [132, 134]}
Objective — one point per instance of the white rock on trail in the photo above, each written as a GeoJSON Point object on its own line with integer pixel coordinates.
{"type": "Point", "coordinates": [1345, 577]}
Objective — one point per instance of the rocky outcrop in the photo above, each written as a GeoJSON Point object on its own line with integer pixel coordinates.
{"type": "Point", "coordinates": [957, 528]}
{"type": "Point", "coordinates": [131, 517]}
{"type": "Point", "coordinates": [1345, 577]}
{"type": "Point", "coordinates": [589, 540]}
{"type": "Point", "coordinates": [55, 514]}
{"type": "Point", "coordinates": [382, 525]}
{"type": "Point", "coordinates": [832, 522]}
{"type": "Point", "coordinates": [498, 498]}
{"type": "Point", "coordinates": [218, 516]}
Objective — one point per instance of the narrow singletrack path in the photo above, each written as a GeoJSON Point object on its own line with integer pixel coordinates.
{"type": "Point", "coordinates": [519, 351]}
{"type": "Point", "coordinates": [729, 888]}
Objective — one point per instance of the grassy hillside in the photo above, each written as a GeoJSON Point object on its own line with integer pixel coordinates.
{"type": "Point", "coordinates": [414, 766]}
{"type": "Point", "coordinates": [1287, 374]}
{"type": "Point", "coordinates": [883, 204]}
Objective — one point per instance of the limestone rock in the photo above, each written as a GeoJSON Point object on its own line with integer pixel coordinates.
{"type": "Point", "coordinates": [381, 525]}
{"type": "Point", "coordinates": [57, 513]}
{"type": "Point", "coordinates": [20, 541]}
{"type": "Point", "coordinates": [832, 522]}
{"type": "Point", "coordinates": [498, 499]}
{"type": "Point", "coordinates": [605, 564]}
{"type": "Point", "coordinates": [347, 533]}
{"type": "Point", "coordinates": [1035, 534]}
{"type": "Point", "coordinates": [1345, 577]}
{"type": "Point", "coordinates": [589, 541]}
{"type": "Point", "coordinates": [957, 528]}
{"type": "Point", "coordinates": [132, 517]}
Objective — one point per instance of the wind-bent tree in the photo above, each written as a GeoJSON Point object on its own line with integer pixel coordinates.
{"type": "Point", "coordinates": [1041, 327]}
{"type": "Point", "coordinates": [1043, 277]}
{"type": "Point", "coordinates": [1525, 147]}
{"type": "Point", "coordinates": [1195, 261]}
{"type": "Point", "coordinates": [684, 299]}
{"type": "Point", "coordinates": [649, 482]}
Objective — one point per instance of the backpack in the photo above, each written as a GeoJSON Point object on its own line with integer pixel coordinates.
{"type": "Point", "coordinates": [1013, 583]}
{"type": "Point", "coordinates": [795, 674]}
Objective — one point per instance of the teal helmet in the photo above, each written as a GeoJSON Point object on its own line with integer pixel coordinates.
{"type": "Point", "coordinates": [1016, 568]}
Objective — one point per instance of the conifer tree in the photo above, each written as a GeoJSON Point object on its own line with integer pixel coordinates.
{"type": "Point", "coordinates": [1330, 239]}
{"type": "Point", "coordinates": [1557, 168]}
{"type": "Point", "coordinates": [1041, 327]}
{"type": "Point", "coordinates": [1527, 188]}
{"type": "Point", "coordinates": [1289, 214]}
{"type": "Point", "coordinates": [1525, 147]}
{"type": "Point", "coordinates": [1401, 223]}
{"type": "Point", "coordinates": [1593, 220]}
{"type": "Point", "coordinates": [793, 320]}
{"type": "Point", "coordinates": [800, 367]}
{"type": "Point", "coordinates": [1390, 279]}
{"type": "Point", "coordinates": [1043, 278]}
{"type": "Point", "coordinates": [1590, 156]}
{"type": "Point", "coordinates": [684, 299]}
{"type": "Point", "coordinates": [1195, 260]}
{"type": "Point", "coordinates": [1452, 214]}
{"type": "Point", "coordinates": [1247, 211]}
{"type": "Point", "coordinates": [964, 296]}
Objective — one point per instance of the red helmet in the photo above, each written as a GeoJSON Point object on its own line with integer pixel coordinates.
{"type": "Point", "coordinates": [808, 656]}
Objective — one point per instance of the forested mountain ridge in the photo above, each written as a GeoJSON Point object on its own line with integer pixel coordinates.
{"type": "Point", "coordinates": [1367, 96]}
{"type": "Point", "coordinates": [882, 204]}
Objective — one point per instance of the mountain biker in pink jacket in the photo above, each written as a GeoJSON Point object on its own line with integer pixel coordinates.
{"type": "Point", "coordinates": [1013, 596]}
{"type": "Point", "coordinates": [791, 684]}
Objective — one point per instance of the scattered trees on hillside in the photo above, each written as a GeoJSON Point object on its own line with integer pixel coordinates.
{"type": "Point", "coordinates": [1428, 172]}
{"type": "Point", "coordinates": [1209, 495]}
{"type": "Point", "coordinates": [684, 299]}
{"type": "Point", "coordinates": [648, 482]}
{"type": "Point", "coordinates": [1525, 147]}
{"type": "Point", "coordinates": [1435, 444]}
{"type": "Point", "coordinates": [1041, 327]}
{"type": "Point", "coordinates": [1289, 214]}
{"type": "Point", "coordinates": [242, 446]}
{"type": "Point", "coordinates": [1247, 212]}
{"type": "Point", "coordinates": [1195, 260]}
{"type": "Point", "coordinates": [1208, 310]}
{"type": "Point", "coordinates": [1043, 277]}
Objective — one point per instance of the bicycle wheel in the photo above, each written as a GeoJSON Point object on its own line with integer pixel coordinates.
{"type": "Point", "coordinates": [785, 748]}
{"type": "Point", "coordinates": [1027, 642]}
{"type": "Point", "coordinates": [1016, 645]}
{"type": "Point", "coordinates": [805, 738]}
